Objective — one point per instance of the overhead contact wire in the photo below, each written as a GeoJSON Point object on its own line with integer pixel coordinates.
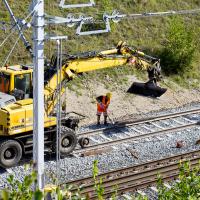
{"type": "Point", "coordinates": [140, 15]}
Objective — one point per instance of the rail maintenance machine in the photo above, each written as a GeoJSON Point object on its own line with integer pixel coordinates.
{"type": "Point", "coordinates": [16, 98]}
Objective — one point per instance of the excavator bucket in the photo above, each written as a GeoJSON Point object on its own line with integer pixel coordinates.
{"type": "Point", "coordinates": [149, 88]}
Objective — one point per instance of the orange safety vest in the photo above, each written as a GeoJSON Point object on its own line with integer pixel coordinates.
{"type": "Point", "coordinates": [99, 108]}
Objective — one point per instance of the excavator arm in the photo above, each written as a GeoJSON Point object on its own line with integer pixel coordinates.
{"type": "Point", "coordinates": [90, 61]}
{"type": "Point", "coordinates": [112, 58]}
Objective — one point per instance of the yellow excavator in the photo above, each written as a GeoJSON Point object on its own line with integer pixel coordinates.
{"type": "Point", "coordinates": [16, 103]}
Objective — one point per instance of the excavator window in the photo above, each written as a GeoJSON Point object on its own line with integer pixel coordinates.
{"type": "Point", "coordinates": [23, 83]}
{"type": "Point", "coordinates": [4, 83]}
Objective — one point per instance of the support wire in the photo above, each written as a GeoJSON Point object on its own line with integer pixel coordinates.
{"type": "Point", "coordinates": [18, 26]}
{"type": "Point", "coordinates": [4, 63]}
{"type": "Point", "coordinates": [8, 36]}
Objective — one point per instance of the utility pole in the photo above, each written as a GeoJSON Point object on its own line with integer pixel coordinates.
{"type": "Point", "coordinates": [38, 92]}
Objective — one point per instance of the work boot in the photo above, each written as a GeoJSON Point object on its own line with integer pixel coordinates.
{"type": "Point", "coordinates": [105, 120]}
{"type": "Point", "coordinates": [98, 120]}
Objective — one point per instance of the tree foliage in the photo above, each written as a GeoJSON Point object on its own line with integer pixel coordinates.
{"type": "Point", "coordinates": [186, 188]}
{"type": "Point", "coordinates": [179, 47]}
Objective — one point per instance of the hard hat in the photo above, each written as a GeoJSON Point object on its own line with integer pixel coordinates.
{"type": "Point", "coordinates": [109, 95]}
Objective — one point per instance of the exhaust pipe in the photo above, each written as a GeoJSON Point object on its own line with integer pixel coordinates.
{"type": "Point", "coordinates": [149, 88]}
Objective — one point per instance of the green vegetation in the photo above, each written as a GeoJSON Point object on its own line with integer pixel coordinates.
{"type": "Point", "coordinates": [21, 190]}
{"type": "Point", "coordinates": [97, 183]}
{"type": "Point", "coordinates": [152, 35]}
{"type": "Point", "coordinates": [187, 188]}
{"type": "Point", "coordinates": [179, 48]}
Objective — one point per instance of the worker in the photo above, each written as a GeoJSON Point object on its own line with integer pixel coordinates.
{"type": "Point", "coordinates": [102, 106]}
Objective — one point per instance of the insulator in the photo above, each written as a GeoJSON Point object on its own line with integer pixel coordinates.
{"type": "Point", "coordinates": [115, 16]}
{"type": "Point", "coordinates": [71, 18]}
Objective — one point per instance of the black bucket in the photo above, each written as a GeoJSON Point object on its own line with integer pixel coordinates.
{"type": "Point", "coordinates": [147, 89]}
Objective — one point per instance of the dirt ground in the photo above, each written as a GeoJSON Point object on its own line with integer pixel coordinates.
{"type": "Point", "coordinates": [122, 103]}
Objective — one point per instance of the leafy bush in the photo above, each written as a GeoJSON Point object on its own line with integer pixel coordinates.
{"type": "Point", "coordinates": [179, 47]}
{"type": "Point", "coordinates": [97, 182]}
{"type": "Point", "coordinates": [187, 188]}
{"type": "Point", "coordinates": [21, 190]}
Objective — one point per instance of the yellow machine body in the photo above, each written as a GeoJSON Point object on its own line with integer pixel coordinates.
{"type": "Point", "coordinates": [18, 118]}
{"type": "Point", "coordinates": [14, 73]}
{"type": "Point", "coordinates": [16, 99]}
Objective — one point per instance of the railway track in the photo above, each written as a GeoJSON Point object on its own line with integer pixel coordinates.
{"type": "Point", "coordinates": [137, 177]}
{"type": "Point", "coordinates": [126, 132]}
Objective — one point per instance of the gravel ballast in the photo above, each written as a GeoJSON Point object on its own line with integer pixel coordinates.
{"type": "Point", "coordinates": [73, 167]}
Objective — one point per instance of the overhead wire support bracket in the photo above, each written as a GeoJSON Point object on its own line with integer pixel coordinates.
{"type": "Point", "coordinates": [80, 5]}
{"type": "Point", "coordinates": [107, 29]}
{"type": "Point", "coordinates": [70, 20]}
{"type": "Point", "coordinates": [116, 17]}
{"type": "Point", "coordinates": [55, 37]}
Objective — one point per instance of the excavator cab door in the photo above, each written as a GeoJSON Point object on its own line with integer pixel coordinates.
{"type": "Point", "coordinates": [22, 85]}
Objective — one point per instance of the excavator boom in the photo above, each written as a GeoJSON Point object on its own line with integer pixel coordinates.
{"type": "Point", "coordinates": [90, 61]}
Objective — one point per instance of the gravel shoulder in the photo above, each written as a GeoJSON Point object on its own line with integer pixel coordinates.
{"type": "Point", "coordinates": [122, 103]}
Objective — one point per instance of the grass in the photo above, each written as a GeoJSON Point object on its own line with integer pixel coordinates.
{"type": "Point", "coordinates": [147, 34]}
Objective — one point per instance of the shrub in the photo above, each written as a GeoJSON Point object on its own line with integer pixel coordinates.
{"type": "Point", "coordinates": [187, 188]}
{"type": "Point", "coordinates": [179, 47]}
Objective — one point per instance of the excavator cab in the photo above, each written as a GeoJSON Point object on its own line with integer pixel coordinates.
{"type": "Point", "coordinates": [22, 86]}
{"type": "Point", "coordinates": [16, 81]}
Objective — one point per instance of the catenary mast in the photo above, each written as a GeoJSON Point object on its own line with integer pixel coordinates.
{"type": "Point", "coordinates": [38, 91]}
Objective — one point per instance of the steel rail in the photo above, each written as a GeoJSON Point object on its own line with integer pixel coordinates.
{"type": "Point", "coordinates": [138, 181]}
{"type": "Point", "coordinates": [143, 181]}
{"type": "Point", "coordinates": [132, 179]}
{"type": "Point", "coordinates": [139, 167]}
{"type": "Point", "coordinates": [136, 137]}
{"type": "Point", "coordinates": [139, 121]}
